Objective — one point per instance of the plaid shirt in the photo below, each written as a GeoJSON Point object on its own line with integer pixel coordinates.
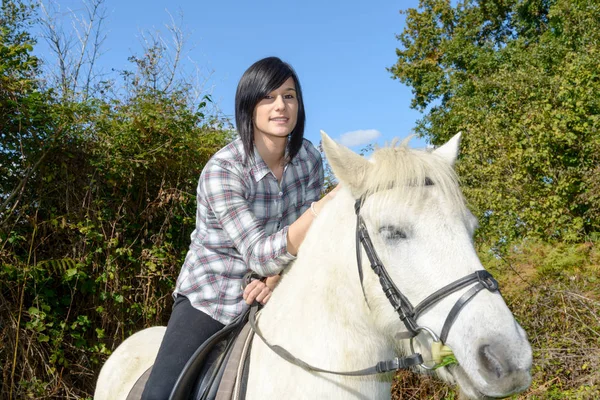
{"type": "Point", "coordinates": [242, 222]}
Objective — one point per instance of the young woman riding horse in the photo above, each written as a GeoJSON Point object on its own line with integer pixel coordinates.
{"type": "Point", "coordinates": [257, 197]}
{"type": "Point", "coordinates": [388, 269]}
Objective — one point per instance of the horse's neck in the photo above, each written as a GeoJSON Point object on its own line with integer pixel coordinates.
{"type": "Point", "coordinates": [323, 270]}
{"type": "Point", "coordinates": [319, 305]}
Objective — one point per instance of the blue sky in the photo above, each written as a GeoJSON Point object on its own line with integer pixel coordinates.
{"type": "Point", "coordinates": [340, 50]}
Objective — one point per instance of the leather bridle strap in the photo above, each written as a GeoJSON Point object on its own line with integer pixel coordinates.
{"type": "Point", "coordinates": [409, 314]}
{"type": "Point", "coordinates": [482, 276]}
{"type": "Point", "coordinates": [380, 367]}
{"type": "Point", "coordinates": [400, 303]}
{"type": "Point", "coordinates": [464, 299]}
{"type": "Point", "coordinates": [359, 253]}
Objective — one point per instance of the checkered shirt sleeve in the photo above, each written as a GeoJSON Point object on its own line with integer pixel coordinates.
{"type": "Point", "coordinates": [242, 223]}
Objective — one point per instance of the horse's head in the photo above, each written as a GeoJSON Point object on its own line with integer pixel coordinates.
{"type": "Point", "coordinates": [413, 210]}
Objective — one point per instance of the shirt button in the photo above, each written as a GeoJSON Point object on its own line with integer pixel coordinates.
{"type": "Point", "coordinates": [280, 194]}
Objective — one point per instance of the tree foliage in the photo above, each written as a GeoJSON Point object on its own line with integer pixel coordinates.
{"type": "Point", "coordinates": [97, 194]}
{"type": "Point", "coordinates": [520, 79]}
{"type": "Point", "coordinates": [23, 108]}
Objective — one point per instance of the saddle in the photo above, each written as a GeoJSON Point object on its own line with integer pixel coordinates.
{"type": "Point", "coordinates": [217, 370]}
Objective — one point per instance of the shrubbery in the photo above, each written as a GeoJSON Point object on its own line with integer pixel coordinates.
{"type": "Point", "coordinates": [99, 203]}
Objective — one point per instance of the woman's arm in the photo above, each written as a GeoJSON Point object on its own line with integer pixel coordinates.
{"type": "Point", "coordinates": [297, 230]}
{"type": "Point", "coordinates": [260, 291]}
{"type": "Point", "coordinates": [223, 187]}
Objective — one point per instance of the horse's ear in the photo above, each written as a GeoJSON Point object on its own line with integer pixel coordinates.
{"type": "Point", "coordinates": [449, 150]}
{"type": "Point", "coordinates": [348, 167]}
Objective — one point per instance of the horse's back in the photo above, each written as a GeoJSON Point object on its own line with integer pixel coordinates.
{"type": "Point", "coordinates": [127, 363]}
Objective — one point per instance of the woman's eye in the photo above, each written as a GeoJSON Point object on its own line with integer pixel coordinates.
{"type": "Point", "coordinates": [267, 96]}
{"type": "Point", "coordinates": [289, 96]}
{"type": "Point", "coordinates": [390, 232]}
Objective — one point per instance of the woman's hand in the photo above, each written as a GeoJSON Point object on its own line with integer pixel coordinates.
{"type": "Point", "coordinates": [297, 230]}
{"type": "Point", "coordinates": [260, 291]}
{"type": "Point", "coordinates": [321, 203]}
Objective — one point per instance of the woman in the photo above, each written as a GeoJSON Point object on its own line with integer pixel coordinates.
{"type": "Point", "coordinates": [257, 197]}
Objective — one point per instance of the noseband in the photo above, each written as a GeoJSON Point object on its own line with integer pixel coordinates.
{"type": "Point", "coordinates": [407, 312]}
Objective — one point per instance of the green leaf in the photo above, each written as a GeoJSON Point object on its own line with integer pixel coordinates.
{"type": "Point", "coordinates": [446, 361]}
{"type": "Point", "coordinates": [71, 272]}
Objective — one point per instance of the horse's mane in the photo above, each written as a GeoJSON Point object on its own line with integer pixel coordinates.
{"type": "Point", "coordinates": [411, 173]}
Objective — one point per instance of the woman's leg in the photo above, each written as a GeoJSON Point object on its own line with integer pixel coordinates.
{"type": "Point", "coordinates": [187, 329]}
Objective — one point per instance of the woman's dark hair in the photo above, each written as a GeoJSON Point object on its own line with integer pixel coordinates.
{"type": "Point", "coordinates": [260, 79]}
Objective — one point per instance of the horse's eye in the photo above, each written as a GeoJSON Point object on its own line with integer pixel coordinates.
{"type": "Point", "coordinates": [390, 232]}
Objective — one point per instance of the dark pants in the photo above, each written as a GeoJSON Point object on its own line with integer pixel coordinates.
{"type": "Point", "coordinates": [187, 329]}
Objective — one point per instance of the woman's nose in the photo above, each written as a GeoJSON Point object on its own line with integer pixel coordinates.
{"type": "Point", "coordinates": [279, 103]}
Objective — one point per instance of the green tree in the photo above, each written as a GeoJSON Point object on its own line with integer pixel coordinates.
{"type": "Point", "coordinates": [26, 124]}
{"type": "Point", "coordinates": [520, 79]}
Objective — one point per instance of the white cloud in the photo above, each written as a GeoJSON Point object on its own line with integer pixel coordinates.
{"type": "Point", "coordinates": [357, 138]}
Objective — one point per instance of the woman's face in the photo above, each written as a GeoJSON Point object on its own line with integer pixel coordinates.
{"type": "Point", "coordinates": [276, 114]}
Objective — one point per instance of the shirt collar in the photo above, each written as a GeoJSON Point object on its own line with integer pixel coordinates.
{"type": "Point", "coordinates": [260, 168]}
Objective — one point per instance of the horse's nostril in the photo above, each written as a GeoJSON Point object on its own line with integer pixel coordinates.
{"type": "Point", "coordinates": [502, 370]}
{"type": "Point", "coordinates": [491, 362]}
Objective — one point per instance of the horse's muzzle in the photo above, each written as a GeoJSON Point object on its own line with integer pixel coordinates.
{"type": "Point", "coordinates": [505, 373]}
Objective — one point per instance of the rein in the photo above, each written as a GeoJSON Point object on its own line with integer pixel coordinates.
{"type": "Point", "coordinates": [407, 312]}
{"type": "Point", "coordinates": [379, 368]}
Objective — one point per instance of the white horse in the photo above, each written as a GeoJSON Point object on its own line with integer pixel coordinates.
{"type": "Point", "coordinates": [422, 232]}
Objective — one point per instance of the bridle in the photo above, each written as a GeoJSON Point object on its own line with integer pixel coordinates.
{"type": "Point", "coordinates": [407, 312]}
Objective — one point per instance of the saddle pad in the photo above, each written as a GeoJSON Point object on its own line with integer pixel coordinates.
{"type": "Point", "coordinates": [228, 389]}
{"type": "Point", "coordinates": [241, 384]}
{"type": "Point", "coordinates": [238, 354]}
{"type": "Point", "coordinates": [136, 391]}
